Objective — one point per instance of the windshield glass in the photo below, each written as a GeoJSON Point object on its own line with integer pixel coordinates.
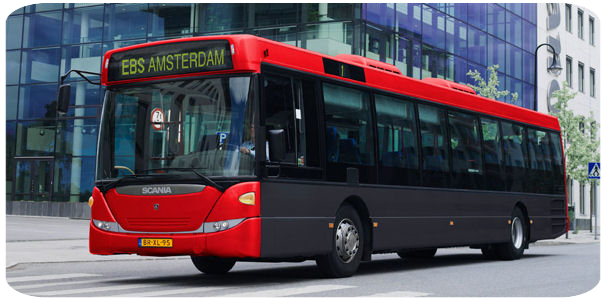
{"type": "Point", "coordinates": [202, 125]}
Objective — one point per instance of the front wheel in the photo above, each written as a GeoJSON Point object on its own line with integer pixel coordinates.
{"type": "Point", "coordinates": [213, 265]}
{"type": "Point", "coordinates": [513, 249]}
{"type": "Point", "coordinates": [347, 245]}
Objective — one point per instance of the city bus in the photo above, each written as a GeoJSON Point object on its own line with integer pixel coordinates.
{"type": "Point", "coordinates": [238, 148]}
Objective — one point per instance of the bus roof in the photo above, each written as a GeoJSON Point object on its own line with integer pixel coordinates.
{"type": "Point", "coordinates": [247, 52]}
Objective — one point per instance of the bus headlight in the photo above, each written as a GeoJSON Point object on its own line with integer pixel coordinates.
{"type": "Point", "coordinates": [107, 226]}
{"type": "Point", "coordinates": [247, 198]}
{"type": "Point", "coordinates": [221, 225]}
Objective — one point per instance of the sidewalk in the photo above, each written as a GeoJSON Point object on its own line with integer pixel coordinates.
{"type": "Point", "coordinates": [31, 239]}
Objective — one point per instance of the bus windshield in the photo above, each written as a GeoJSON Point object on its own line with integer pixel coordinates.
{"type": "Point", "coordinates": [202, 125]}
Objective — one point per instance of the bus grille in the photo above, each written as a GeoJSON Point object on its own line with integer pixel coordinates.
{"type": "Point", "coordinates": [158, 222]}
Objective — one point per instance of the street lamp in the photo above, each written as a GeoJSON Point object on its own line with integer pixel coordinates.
{"type": "Point", "coordinates": [554, 66]}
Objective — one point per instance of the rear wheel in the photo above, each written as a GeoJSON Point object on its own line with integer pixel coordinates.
{"type": "Point", "coordinates": [424, 253]}
{"type": "Point", "coordinates": [213, 265]}
{"type": "Point", "coordinates": [347, 245]}
{"type": "Point", "coordinates": [513, 249]}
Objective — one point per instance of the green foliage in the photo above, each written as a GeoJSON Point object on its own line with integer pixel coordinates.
{"type": "Point", "coordinates": [489, 89]}
{"type": "Point", "coordinates": [580, 148]}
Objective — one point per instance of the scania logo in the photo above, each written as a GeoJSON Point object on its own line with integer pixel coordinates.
{"type": "Point", "coordinates": [156, 190]}
{"type": "Point", "coordinates": [156, 206]}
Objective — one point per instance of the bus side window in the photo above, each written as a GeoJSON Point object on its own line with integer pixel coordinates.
{"type": "Point", "coordinates": [557, 159]}
{"type": "Point", "coordinates": [540, 162]}
{"type": "Point", "coordinates": [308, 131]}
{"type": "Point", "coordinates": [492, 147]}
{"type": "Point", "coordinates": [435, 155]}
{"type": "Point", "coordinates": [515, 156]}
{"type": "Point", "coordinates": [280, 114]}
{"type": "Point", "coordinates": [466, 150]}
{"type": "Point", "coordinates": [397, 142]}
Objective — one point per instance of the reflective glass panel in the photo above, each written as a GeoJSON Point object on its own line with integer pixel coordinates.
{"type": "Point", "coordinates": [170, 19]}
{"type": "Point", "coordinates": [11, 135]}
{"type": "Point", "coordinates": [267, 14]}
{"type": "Point", "coordinates": [40, 65]}
{"type": "Point", "coordinates": [41, 30]}
{"type": "Point", "coordinates": [12, 94]}
{"type": "Point", "coordinates": [456, 37]}
{"type": "Point", "coordinates": [496, 20]}
{"type": "Point", "coordinates": [220, 16]}
{"type": "Point", "coordinates": [408, 17]}
{"type": "Point", "coordinates": [13, 60]}
{"type": "Point", "coordinates": [77, 137]}
{"type": "Point", "coordinates": [83, 57]}
{"type": "Point", "coordinates": [477, 44]}
{"type": "Point", "coordinates": [42, 7]}
{"type": "Point", "coordinates": [433, 62]}
{"type": "Point", "coordinates": [477, 13]}
{"type": "Point", "coordinates": [496, 53]}
{"type": "Point", "coordinates": [457, 10]}
{"type": "Point", "coordinates": [74, 178]}
{"type": "Point", "coordinates": [14, 32]}
{"type": "Point", "coordinates": [409, 57]}
{"type": "Point", "coordinates": [35, 138]}
{"type": "Point", "coordinates": [319, 12]}
{"type": "Point", "coordinates": [37, 101]}
{"type": "Point", "coordinates": [83, 25]}
{"type": "Point", "coordinates": [514, 61]}
{"type": "Point", "coordinates": [529, 36]}
{"type": "Point", "coordinates": [83, 93]}
{"type": "Point", "coordinates": [433, 27]}
{"type": "Point", "coordinates": [330, 38]}
{"type": "Point", "coordinates": [514, 27]}
{"type": "Point", "coordinates": [125, 21]}
{"type": "Point", "coordinates": [381, 14]}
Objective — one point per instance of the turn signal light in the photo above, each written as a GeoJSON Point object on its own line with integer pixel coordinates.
{"type": "Point", "coordinates": [90, 201]}
{"type": "Point", "coordinates": [247, 198]}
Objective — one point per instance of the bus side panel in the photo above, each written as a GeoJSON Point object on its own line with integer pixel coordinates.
{"type": "Point", "coordinates": [406, 217]}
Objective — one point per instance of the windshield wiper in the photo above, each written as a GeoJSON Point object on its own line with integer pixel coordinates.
{"type": "Point", "coordinates": [204, 178]}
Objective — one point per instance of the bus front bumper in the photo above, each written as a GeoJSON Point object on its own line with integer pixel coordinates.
{"type": "Point", "coordinates": [242, 240]}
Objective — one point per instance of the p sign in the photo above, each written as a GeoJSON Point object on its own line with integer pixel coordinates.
{"type": "Point", "coordinates": [594, 170]}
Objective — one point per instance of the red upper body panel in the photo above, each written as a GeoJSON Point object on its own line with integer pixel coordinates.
{"type": "Point", "coordinates": [251, 51]}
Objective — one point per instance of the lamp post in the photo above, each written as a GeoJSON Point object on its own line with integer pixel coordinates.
{"type": "Point", "coordinates": [554, 66]}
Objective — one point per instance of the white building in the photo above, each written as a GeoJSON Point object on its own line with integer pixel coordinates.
{"type": "Point", "coordinates": [574, 33]}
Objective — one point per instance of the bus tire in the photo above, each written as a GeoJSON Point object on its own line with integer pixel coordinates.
{"type": "Point", "coordinates": [513, 249]}
{"type": "Point", "coordinates": [347, 245]}
{"type": "Point", "coordinates": [213, 265]}
{"type": "Point", "coordinates": [424, 253]}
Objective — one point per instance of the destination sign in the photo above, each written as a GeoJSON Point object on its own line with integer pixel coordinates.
{"type": "Point", "coordinates": [344, 70]}
{"type": "Point", "coordinates": [170, 59]}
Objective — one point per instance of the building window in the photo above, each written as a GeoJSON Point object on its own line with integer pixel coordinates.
{"type": "Point", "coordinates": [580, 24]}
{"type": "Point", "coordinates": [592, 82]}
{"type": "Point", "coordinates": [582, 205]}
{"type": "Point", "coordinates": [580, 77]}
{"type": "Point", "coordinates": [568, 17]}
{"type": "Point", "coordinates": [568, 71]}
{"type": "Point", "coordinates": [591, 30]}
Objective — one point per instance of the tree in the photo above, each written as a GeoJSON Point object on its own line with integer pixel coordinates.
{"type": "Point", "coordinates": [580, 147]}
{"type": "Point", "coordinates": [489, 89]}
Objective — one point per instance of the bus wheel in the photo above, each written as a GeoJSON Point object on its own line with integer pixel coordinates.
{"type": "Point", "coordinates": [347, 245]}
{"type": "Point", "coordinates": [513, 249]}
{"type": "Point", "coordinates": [425, 253]}
{"type": "Point", "coordinates": [212, 265]}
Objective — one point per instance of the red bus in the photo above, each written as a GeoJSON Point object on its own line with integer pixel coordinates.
{"type": "Point", "coordinates": [238, 148]}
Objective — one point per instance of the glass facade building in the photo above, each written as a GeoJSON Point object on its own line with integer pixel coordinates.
{"type": "Point", "coordinates": [50, 158]}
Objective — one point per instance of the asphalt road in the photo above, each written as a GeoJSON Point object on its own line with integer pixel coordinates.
{"type": "Point", "coordinates": [549, 270]}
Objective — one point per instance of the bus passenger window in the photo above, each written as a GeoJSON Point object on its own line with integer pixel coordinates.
{"type": "Point", "coordinates": [540, 161]}
{"type": "Point", "coordinates": [396, 133]}
{"type": "Point", "coordinates": [492, 147]}
{"type": "Point", "coordinates": [465, 144]}
{"type": "Point", "coordinates": [433, 133]}
{"type": "Point", "coordinates": [557, 159]}
{"type": "Point", "coordinates": [348, 126]}
{"type": "Point", "coordinates": [515, 157]}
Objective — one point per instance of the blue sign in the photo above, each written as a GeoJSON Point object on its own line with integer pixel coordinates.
{"type": "Point", "coordinates": [594, 170]}
{"type": "Point", "coordinates": [222, 136]}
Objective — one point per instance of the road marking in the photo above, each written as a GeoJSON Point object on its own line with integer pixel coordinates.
{"type": "Point", "coordinates": [170, 292]}
{"type": "Point", "coordinates": [290, 291]}
{"type": "Point", "coordinates": [400, 294]}
{"type": "Point", "coordinates": [41, 285]}
{"type": "Point", "coordinates": [109, 288]}
{"type": "Point", "coordinates": [48, 277]}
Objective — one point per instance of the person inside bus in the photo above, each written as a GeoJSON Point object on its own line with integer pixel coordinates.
{"type": "Point", "coordinates": [248, 145]}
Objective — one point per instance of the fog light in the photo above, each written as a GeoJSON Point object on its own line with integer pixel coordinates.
{"type": "Point", "coordinates": [247, 198]}
{"type": "Point", "coordinates": [224, 225]}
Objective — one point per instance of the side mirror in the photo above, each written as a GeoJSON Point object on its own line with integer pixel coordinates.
{"type": "Point", "coordinates": [63, 98]}
{"type": "Point", "coordinates": [277, 144]}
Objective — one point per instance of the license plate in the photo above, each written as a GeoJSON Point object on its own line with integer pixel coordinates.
{"type": "Point", "coordinates": [155, 243]}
